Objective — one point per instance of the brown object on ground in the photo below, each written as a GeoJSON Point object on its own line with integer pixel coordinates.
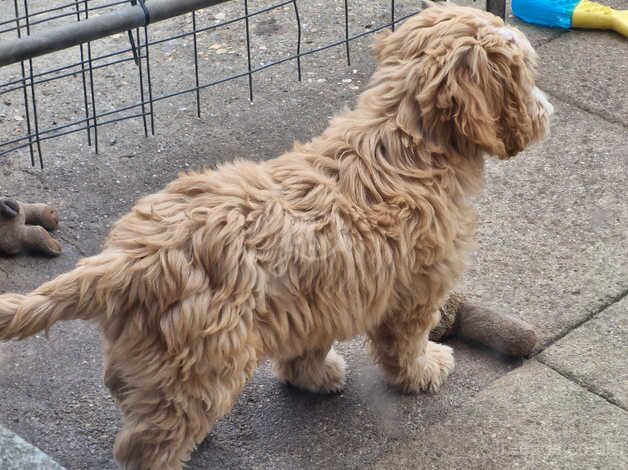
{"type": "Point", "coordinates": [503, 333]}
{"type": "Point", "coordinates": [41, 214]}
{"type": "Point", "coordinates": [25, 227]}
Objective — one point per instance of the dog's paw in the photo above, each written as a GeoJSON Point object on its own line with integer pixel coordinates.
{"type": "Point", "coordinates": [434, 367]}
{"type": "Point", "coordinates": [428, 372]}
{"type": "Point", "coordinates": [333, 374]}
{"type": "Point", "coordinates": [320, 377]}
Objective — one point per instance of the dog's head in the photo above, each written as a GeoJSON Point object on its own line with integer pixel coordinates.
{"type": "Point", "coordinates": [468, 81]}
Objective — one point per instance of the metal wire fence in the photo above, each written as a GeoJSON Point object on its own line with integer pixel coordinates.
{"type": "Point", "coordinates": [23, 83]}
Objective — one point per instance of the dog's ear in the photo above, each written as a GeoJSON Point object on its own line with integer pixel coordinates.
{"type": "Point", "coordinates": [480, 96]}
{"type": "Point", "coordinates": [461, 103]}
{"type": "Point", "coordinates": [9, 208]}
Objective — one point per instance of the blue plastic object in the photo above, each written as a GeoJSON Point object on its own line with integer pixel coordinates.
{"type": "Point", "coordinates": [552, 13]}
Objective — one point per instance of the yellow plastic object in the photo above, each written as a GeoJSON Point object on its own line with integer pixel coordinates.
{"type": "Point", "coordinates": [591, 15]}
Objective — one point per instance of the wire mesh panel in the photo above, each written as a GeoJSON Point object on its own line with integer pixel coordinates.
{"type": "Point", "coordinates": [121, 79]}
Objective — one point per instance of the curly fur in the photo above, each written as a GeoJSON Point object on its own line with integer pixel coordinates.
{"type": "Point", "coordinates": [365, 229]}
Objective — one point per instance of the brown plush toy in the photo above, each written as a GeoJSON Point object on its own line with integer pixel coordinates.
{"type": "Point", "coordinates": [503, 333]}
{"type": "Point", "coordinates": [25, 227]}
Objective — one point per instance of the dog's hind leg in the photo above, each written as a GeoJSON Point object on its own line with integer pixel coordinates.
{"type": "Point", "coordinates": [319, 371]}
{"type": "Point", "coordinates": [170, 402]}
{"type": "Point", "coordinates": [410, 361]}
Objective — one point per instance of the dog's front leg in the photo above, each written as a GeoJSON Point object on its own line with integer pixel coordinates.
{"type": "Point", "coordinates": [410, 361]}
{"type": "Point", "coordinates": [319, 371]}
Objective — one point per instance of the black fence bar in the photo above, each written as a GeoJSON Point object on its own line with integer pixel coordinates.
{"type": "Point", "coordinates": [123, 19]}
{"type": "Point", "coordinates": [497, 7]}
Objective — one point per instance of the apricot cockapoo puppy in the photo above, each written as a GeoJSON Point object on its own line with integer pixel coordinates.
{"type": "Point", "coordinates": [365, 229]}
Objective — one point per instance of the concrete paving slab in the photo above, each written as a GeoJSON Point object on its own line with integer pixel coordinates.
{"type": "Point", "coordinates": [533, 418]}
{"type": "Point", "coordinates": [51, 393]}
{"type": "Point", "coordinates": [553, 226]}
{"type": "Point", "coordinates": [17, 454]}
{"type": "Point", "coordinates": [590, 69]}
{"type": "Point", "coordinates": [594, 355]}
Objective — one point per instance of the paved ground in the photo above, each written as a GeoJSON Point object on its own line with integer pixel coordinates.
{"type": "Point", "coordinates": [17, 454]}
{"type": "Point", "coordinates": [552, 250]}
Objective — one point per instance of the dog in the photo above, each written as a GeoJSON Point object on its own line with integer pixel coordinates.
{"type": "Point", "coordinates": [363, 230]}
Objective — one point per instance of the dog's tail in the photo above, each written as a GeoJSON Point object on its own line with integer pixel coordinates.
{"type": "Point", "coordinates": [78, 294]}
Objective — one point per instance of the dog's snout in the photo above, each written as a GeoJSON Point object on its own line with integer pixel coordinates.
{"type": "Point", "coordinates": [541, 99]}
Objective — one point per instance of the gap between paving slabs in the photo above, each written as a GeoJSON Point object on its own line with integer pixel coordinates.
{"type": "Point", "coordinates": [593, 354]}
{"type": "Point", "coordinates": [17, 454]}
